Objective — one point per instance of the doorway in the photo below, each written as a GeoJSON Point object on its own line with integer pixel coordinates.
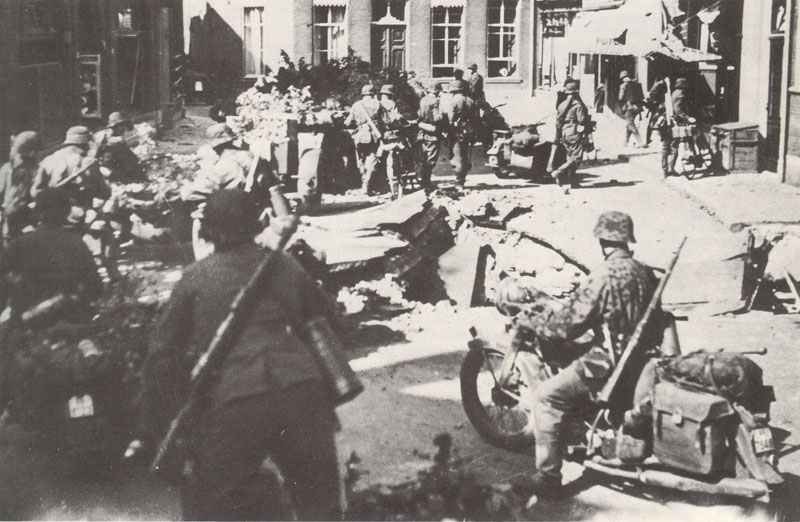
{"type": "Point", "coordinates": [774, 97]}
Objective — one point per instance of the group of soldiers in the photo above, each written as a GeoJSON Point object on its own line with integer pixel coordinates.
{"type": "Point", "coordinates": [82, 166]}
{"type": "Point", "coordinates": [451, 120]}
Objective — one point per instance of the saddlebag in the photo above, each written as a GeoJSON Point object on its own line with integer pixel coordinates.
{"type": "Point", "coordinates": [691, 428]}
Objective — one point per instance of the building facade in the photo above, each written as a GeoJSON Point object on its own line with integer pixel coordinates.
{"type": "Point", "coordinates": [64, 62]}
{"type": "Point", "coordinates": [430, 37]}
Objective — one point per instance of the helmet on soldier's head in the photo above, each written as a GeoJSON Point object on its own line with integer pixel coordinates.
{"type": "Point", "coordinates": [368, 90]}
{"type": "Point", "coordinates": [571, 86]}
{"type": "Point", "coordinates": [513, 291]}
{"type": "Point", "coordinates": [615, 226]}
{"type": "Point", "coordinates": [623, 75]}
{"type": "Point", "coordinates": [457, 86]}
{"type": "Point", "coordinates": [681, 83]}
{"type": "Point", "coordinates": [387, 90]}
{"type": "Point", "coordinates": [230, 218]}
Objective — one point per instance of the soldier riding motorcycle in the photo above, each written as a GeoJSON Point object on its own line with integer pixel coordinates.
{"type": "Point", "coordinates": [57, 381]}
{"type": "Point", "coordinates": [695, 423]}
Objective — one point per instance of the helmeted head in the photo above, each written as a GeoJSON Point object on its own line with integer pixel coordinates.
{"type": "Point", "coordinates": [458, 74]}
{"type": "Point", "coordinates": [623, 75]}
{"type": "Point", "coordinates": [571, 86]}
{"type": "Point", "coordinates": [117, 121]}
{"type": "Point", "coordinates": [514, 291]}
{"type": "Point", "coordinates": [230, 218]}
{"type": "Point", "coordinates": [473, 68]}
{"type": "Point", "coordinates": [368, 90]}
{"type": "Point", "coordinates": [614, 227]}
{"type": "Point", "coordinates": [433, 87]}
{"type": "Point", "coordinates": [25, 146]}
{"type": "Point", "coordinates": [53, 206]}
{"type": "Point", "coordinates": [457, 86]}
{"type": "Point", "coordinates": [681, 83]}
{"type": "Point", "coordinates": [78, 135]}
{"type": "Point", "coordinates": [387, 89]}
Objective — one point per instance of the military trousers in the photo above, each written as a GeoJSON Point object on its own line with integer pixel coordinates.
{"type": "Point", "coordinates": [427, 156]}
{"type": "Point", "coordinates": [367, 154]}
{"type": "Point", "coordinates": [462, 159]}
{"type": "Point", "coordinates": [294, 428]}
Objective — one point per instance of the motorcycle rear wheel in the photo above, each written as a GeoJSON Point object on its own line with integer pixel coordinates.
{"type": "Point", "coordinates": [499, 420]}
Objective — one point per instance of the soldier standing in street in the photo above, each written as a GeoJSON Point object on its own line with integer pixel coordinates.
{"type": "Point", "coordinates": [269, 399]}
{"type": "Point", "coordinates": [461, 120]}
{"type": "Point", "coordinates": [476, 91]}
{"type": "Point", "coordinates": [367, 136]}
{"type": "Point", "coordinates": [16, 179]}
{"type": "Point", "coordinates": [616, 295]}
{"type": "Point", "coordinates": [430, 128]}
{"type": "Point", "coordinates": [572, 118]}
{"type": "Point", "coordinates": [113, 151]}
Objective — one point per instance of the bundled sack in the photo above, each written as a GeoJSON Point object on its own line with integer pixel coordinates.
{"type": "Point", "coordinates": [730, 375]}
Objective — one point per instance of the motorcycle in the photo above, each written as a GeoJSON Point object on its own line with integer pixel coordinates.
{"type": "Point", "coordinates": [699, 441]}
{"type": "Point", "coordinates": [69, 390]}
{"type": "Point", "coordinates": [528, 160]}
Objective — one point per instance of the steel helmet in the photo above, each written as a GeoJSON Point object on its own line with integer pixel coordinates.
{"type": "Point", "coordinates": [681, 83]}
{"type": "Point", "coordinates": [615, 226]}
{"type": "Point", "coordinates": [368, 90]}
{"type": "Point", "coordinates": [623, 75]}
{"type": "Point", "coordinates": [513, 291]}
{"type": "Point", "coordinates": [387, 89]}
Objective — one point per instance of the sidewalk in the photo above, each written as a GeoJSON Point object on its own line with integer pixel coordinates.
{"type": "Point", "coordinates": [736, 200]}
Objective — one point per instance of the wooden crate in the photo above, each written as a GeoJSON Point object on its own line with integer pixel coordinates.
{"type": "Point", "coordinates": [739, 157]}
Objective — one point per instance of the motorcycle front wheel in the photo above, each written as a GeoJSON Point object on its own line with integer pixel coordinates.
{"type": "Point", "coordinates": [496, 412]}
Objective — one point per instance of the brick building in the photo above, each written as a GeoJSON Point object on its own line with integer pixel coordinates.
{"type": "Point", "coordinates": [430, 37]}
{"type": "Point", "coordinates": [64, 62]}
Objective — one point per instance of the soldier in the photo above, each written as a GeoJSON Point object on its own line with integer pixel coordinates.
{"type": "Point", "coordinates": [367, 136]}
{"type": "Point", "coordinates": [113, 152]}
{"type": "Point", "coordinates": [681, 106]}
{"type": "Point", "coordinates": [616, 295]}
{"type": "Point", "coordinates": [430, 128]}
{"type": "Point", "coordinates": [72, 157]}
{"type": "Point", "coordinates": [391, 123]}
{"type": "Point", "coordinates": [572, 117]}
{"type": "Point", "coordinates": [52, 259]}
{"type": "Point", "coordinates": [461, 121]}
{"type": "Point", "coordinates": [16, 180]}
{"type": "Point", "coordinates": [269, 399]}
{"type": "Point", "coordinates": [476, 91]}
{"type": "Point", "coordinates": [655, 108]}
{"type": "Point", "coordinates": [630, 99]}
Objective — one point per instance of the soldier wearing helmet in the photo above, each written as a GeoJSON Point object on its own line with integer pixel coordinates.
{"type": "Point", "coordinates": [363, 116]}
{"type": "Point", "coordinates": [461, 120]}
{"type": "Point", "coordinates": [610, 304]}
{"type": "Point", "coordinates": [430, 123]}
{"type": "Point", "coordinates": [572, 120]}
{"type": "Point", "coordinates": [269, 398]}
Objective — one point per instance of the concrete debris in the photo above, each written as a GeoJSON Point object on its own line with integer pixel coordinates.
{"type": "Point", "coordinates": [372, 295]}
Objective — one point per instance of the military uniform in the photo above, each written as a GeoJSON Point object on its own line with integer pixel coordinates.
{"type": "Point", "coordinates": [269, 399]}
{"type": "Point", "coordinates": [363, 115]}
{"type": "Point", "coordinates": [476, 91]}
{"type": "Point", "coordinates": [629, 99]}
{"type": "Point", "coordinates": [616, 294]}
{"type": "Point", "coordinates": [461, 119]}
{"type": "Point", "coordinates": [572, 116]}
{"type": "Point", "coordinates": [16, 180]}
{"type": "Point", "coordinates": [69, 159]}
{"type": "Point", "coordinates": [430, 122]}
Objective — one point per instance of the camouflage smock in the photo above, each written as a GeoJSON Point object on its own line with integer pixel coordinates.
{"type": "Point", "coordinates": [617, 293]}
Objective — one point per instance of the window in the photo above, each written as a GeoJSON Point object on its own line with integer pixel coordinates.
{"type": "Point", "coordinates": [254, 40]}
{"type": "Point", "coordinates": [330, 38]}
{"type": "Point", "coordinates": [502, 46]}
{"type": "Point", "coordinates": [445, 40]}
{"type": "Point", "coordinates": [39, 33]}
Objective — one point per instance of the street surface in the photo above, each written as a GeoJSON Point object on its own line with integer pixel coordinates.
{"type": "Point", "coordinates": [410, 368]}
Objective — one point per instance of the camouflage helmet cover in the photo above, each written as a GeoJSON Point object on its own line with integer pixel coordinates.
{"type": "Point", "coordinates": [615, 226]}
{"type": "Point", "coordinates": [368, 90]}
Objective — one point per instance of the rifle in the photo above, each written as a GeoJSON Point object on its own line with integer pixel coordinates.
{"type": "Point", "coordinates": [610, 387]}
{"type": "Point", "coordinates": [168, 460]}
{"type": "Point", "coordinates": [76, 174]}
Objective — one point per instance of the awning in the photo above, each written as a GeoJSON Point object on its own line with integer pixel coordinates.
{"type": "Point", "coordinates": [673, 48]}
{"type": "Point", "coordinates": [330, 3]}
{"type": "Point", "coordinates": [448, 3]}
{"type": "Point", "coordinates": [598, 32]}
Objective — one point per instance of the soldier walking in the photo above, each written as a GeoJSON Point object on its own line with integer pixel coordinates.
{"type": "Point", "coordinates": [269, 399]}
{"type": "Point", "coordinates": [430, 128]}
{"type": "Point", "coordinates": [630, 99]}
{"type": "Point", "coordinates": [572, 118]}
{"type": "Point", "coordinates": [363, 115]}
{"type": "Point", "coordinates": [461, 120]}
{"type": "Point", "coordinates": [16, 180]}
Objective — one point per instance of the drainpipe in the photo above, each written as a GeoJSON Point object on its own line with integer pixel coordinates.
{"type": "Point", "coordinates": [788, 44]}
